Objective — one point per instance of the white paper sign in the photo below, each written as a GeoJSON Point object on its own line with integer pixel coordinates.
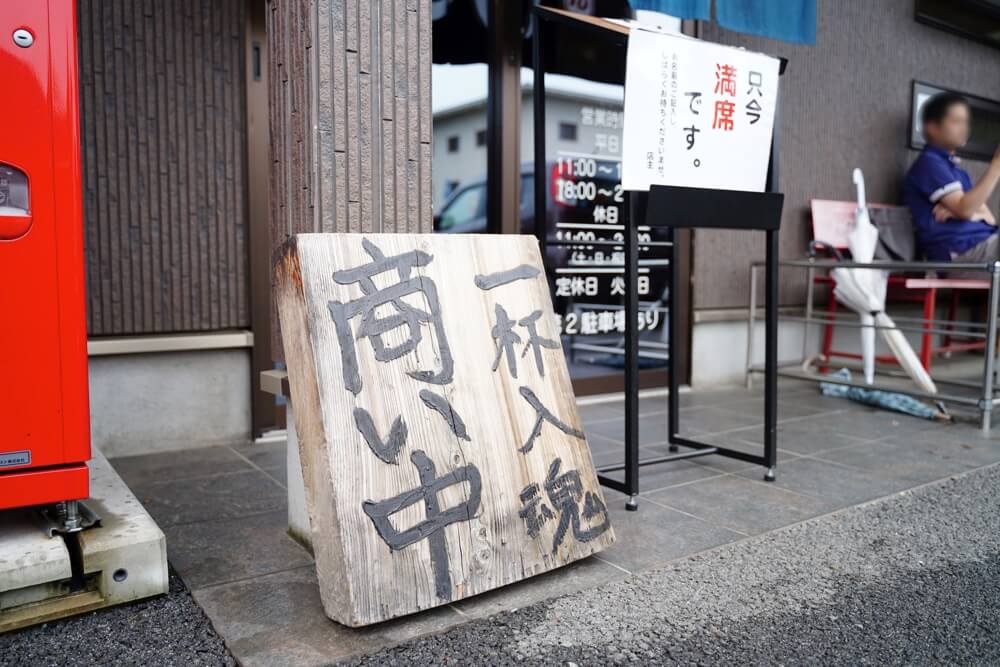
{"type": "Point", "coordinates": [697, 114]}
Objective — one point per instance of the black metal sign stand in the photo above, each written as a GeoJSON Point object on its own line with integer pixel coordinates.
{"type": "Point", "coordinates": [671, 208]}
{"type": "Point", "coordinates": [674, 208]}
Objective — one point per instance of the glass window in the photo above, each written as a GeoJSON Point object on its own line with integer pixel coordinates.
{"type": "Point", "coordinates": [586, 204]}
{"type": "Point", "coordinates": [458, 102]}
{"type": "Point", "coordinates": [13, 191]}
{"type": "Point", "coordinates": [465, 211]}
{"type": "Point", "coordinates": [528, 195]}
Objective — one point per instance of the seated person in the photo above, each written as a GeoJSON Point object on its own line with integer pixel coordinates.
{"type": "Point", "coordinates": [950, 216]}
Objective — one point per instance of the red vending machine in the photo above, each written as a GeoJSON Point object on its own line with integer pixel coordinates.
{"type": "Point", "coordinates": [44, 420]}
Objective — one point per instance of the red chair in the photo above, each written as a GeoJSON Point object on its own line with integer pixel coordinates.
{"type": "Point", "coordinates": [832, 222]}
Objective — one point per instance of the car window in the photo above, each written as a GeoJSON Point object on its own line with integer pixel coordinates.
{"type": "Point", "coordinates": [465, 207]}
{"type": "Point", "coordinates": [527, 193]}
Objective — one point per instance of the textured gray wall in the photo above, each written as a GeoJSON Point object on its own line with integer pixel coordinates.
{"type": "Point", "coordinates": [350, 107]}
{"type": "Point", "coordinates": [164, 165]}
{"type": "Point", "coordinates": [845, 103]}
{"type": "Point", "coordinates": [142, 403]}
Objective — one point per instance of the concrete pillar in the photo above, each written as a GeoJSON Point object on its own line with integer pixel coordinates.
{"type": "Point", "coordinates": [350, 117]}
{"type": "Point", "coordinates": [349, 87]}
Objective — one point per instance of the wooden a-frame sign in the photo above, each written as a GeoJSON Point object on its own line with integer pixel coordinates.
{"type": "Point", "coordinates": [441, 447]}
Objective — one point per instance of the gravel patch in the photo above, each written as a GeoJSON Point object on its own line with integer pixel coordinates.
{"type": "Point", "coordinates": [912, 579]}
{"type": "Point", "coordinates": [169, 630]}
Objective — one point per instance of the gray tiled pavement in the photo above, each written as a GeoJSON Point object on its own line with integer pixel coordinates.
{"type": "Point", "coordinates": [223, 510]}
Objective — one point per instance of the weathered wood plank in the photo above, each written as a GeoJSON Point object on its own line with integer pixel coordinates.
{"type": "Point", "coordinates": [441, 447]}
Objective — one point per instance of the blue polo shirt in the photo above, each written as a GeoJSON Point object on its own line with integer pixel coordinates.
{"type": "Point", "coordinates": [933, 175]}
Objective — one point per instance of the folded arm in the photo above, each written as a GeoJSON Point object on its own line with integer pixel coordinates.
{"type": "Point", "coordinates": [971, 204]}
{"type": "Point", "coordinates": [943, 214]}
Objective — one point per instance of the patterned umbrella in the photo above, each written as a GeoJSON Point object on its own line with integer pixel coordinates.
{"type": "Point", "coordinates": [888, 400]}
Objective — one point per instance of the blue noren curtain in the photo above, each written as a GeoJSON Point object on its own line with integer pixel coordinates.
{"type": "Point", "coordinates": [682, 9]}
{"type": "Point", "coordinates": [787, 20]}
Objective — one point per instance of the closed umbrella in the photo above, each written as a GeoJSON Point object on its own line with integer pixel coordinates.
{"type": "Point", "coordinates": [889, 400]}
{"type": "Point", "coordinates": [863, 290]}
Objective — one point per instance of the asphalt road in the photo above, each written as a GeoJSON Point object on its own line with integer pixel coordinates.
{"type": "Point", "coordinates": [913, 579]}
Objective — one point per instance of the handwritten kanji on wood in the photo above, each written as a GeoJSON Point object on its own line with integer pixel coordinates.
{"type": "Point", "coordinates": [441, 447]}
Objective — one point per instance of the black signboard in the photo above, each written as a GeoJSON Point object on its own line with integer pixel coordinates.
{"type": "Point", "coordinates": [585, 235]}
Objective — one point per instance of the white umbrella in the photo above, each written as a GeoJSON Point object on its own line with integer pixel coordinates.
{"type": "Point", "coordinates": [863, 290]}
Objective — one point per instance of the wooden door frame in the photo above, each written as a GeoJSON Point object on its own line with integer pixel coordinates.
{"type": "Point", "coordinates": [503, 117]}
{"type": "Point", "coordinates": [264, 413]}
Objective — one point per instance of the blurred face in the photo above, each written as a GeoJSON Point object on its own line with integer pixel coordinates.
{"type": "Point", "coordinates": [952, 131]}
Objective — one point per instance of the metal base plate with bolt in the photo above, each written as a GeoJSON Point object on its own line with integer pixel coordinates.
{"type": "Point", "coordinates": [71, 516]}
{"type": "Point", "coordinates": [64, 561]}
